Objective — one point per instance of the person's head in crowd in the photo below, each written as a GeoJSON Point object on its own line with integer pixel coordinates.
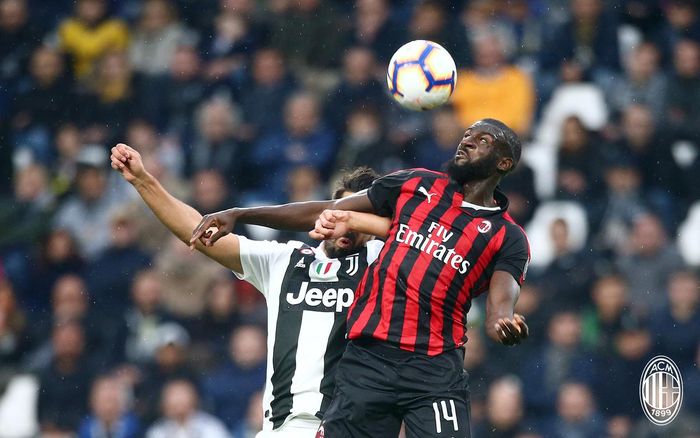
{"type": "Point", "coordinates": [303, 184]}
{"type": "Point", "coordinates": [446, 129]}
{"type": "Point", "coordinates": [185, 64]}
{"type": "Point", "coordinates": [171, 347]}
{"type": "Point", "coordinates": [69, 298]}
{"type": "Point", "coordinates": [505, 404]}
{"type": "Point", "coordinates": [230, 27]}
{"type": "Point", "coordinates": [269, 67]}
{"type": "Point", "coordinates": [574, 135]}
{"type": "Point", "coordinates": [686, 59]}
{"type": "Point", "coordinates": [491, 48]}
{"type": "Point", "coordinates": [622, 176]}
{"type": "Point", "coordinates": [243, 7]}
{"type": "Point", "coordinates": [11, 316]}
{"type": "Point", "coordinates": [221, 298]}
{"type": "Point", "coordinates": [684, 294]}
{"type": "Point", "coordinates": [14, 14]}
{"type": "Point", "coordinates": [364, 127]}
{"type": "Point", "coordinates": [648, 236]}
{"type": "Point", "coordinates": [156, 15]}
{"type": "Point", "coordinates": [475, 351]}
{"type": "Point", "coordinates": [209, 190]}
{"type": "Point", "coordinates": [575, 403]}
{"type": "Point", "coordinates": [90, 12]}
{"type": "Point", "coordinates": [643, 62]}
{"type": "Point", "coordinates": [479, 14]}
{"type": "Point", "coordinates": [31, 183]}
{"type": "Point", "coordinates": [638, 127]}
{"type": "Point", "coordinates": [633, 340]}
{"type": "Point", "coordinates": [142, 135]}
{"type": "Point", "coordinates": [681, 14]}
{"type": "Point", "coordinates": [125, 230]}
{"type": "Point", "coordinates": [179, 400]}
{"type": "Point", "coordinates": [609, 294]}
{"type": "Point", "coordinates": [370, 16]}
{"type": "Point", "coordinates": [302, 114]}
{"type": "Point", "coordinates": [358, 65]}
{"type": "Point", "coordinates": [46, 66]}
{"type": "Point", "coordinates": [565, 330]}
{"type": "Point", "coordinates": [217, 120]}
{"type": "Point", "coordinates": [91, 176]}
{"type": "Point", "coordinates": [146, 291]}
{"type": "Point", "coordinates": [112, 80]}
{"type": "Point", "coordinates": [529, 300]}
{"type": "Point", "coordinates": [68, 344]}
{"type": "Point", "coordinates": [247, 347]}
{"type": "Point", "coordinates": [559, 232]}
{"type": "Point", "coordinates": [108, 400]}
{"type": "Point", "coordinates": [586, 11]}
{"type": "Point", "coordinates": [59, 248]}
{"type": "Point", "coordinates": [68, 144]}
{"type": "Point", "coordinates": [428, 20]}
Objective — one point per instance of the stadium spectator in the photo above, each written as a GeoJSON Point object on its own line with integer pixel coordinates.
{"type": "Point", "coordinates": [110, 415]}
{"type": "Point", "coordinates": [305, 139]}
{"type": "Point", "coordinates": [435, 150]}
{"type": "Point", "coordinates": [65, 382]}
{"type": "Point", "coordinates": [648, 264]}
{"type": "Point", "coordinates": [644, 82]}
{"type": "Point", "coordinates": [253, 419]}
{"type": "Point", "coordinates": [432, 21]}
{"type": "Point", "coordinates": [691, 380]}
{"type": "Point", "coordinates": [87, 213]}
{"type": "Point", "coordinates": [141, 321]}
{"type": "Point", "coordinates": [506, 410]}
{"type": "Point", "coordinates": [14, 339]}
{"type": "Point", "coordinates": [494, 87]}
{"type": "Point", "coordinates": [576, 413]}
{"type": "Point", "coordinates": [244, 370]}
{"type": "Point", "coordinates": [210, 191]}
{"type": "Point", "coordinates": [171, 364]}
{"type": "Point", "coordinates": [676, 327]}
{"type": "Point", "coordinates": [269, 87]}
{"type": "Point", "coordinates": [680, 21]}
{"type": "Point", "coordinates": [181, 416]}
{"type": "Point", "coordinates": [374, 27]}
{"type": "Point", "coordinates": [560, 359]}
{"type": "Point", "coordinates": [156, 37]}
{"type": "Point", "coordinates": [89, 34]}
{"type": "Point", "coordinates": [602, 321]}
{"type": "Point", "coordinates": [680, 112]}
{"type": "Point", "coordinates": [18, 37]}
{"type": "Point", "coordinates": [108, 285]}
{"type": "Point", "coordinates": [68, 144]}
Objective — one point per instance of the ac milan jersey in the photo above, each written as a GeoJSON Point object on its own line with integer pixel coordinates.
{"type": "Point", "coordinates": [440, 254]}
{"type": "Point", "coordinates": [308, 295]}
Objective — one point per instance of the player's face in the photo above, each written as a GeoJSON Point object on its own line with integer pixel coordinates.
{"type": "Point", "coordinates": [347, 244]}
{"type": "Point", "coordinates": [476, 157]}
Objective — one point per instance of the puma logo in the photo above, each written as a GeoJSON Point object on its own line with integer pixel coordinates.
{"type": "Point", "coordinates": [425, 192]}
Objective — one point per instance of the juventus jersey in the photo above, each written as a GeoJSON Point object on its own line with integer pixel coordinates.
{"type": "Point", "coordinates": [308, 296]}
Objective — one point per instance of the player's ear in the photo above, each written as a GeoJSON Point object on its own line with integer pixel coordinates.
{"type": "Point", "coordinates": [505, 165]}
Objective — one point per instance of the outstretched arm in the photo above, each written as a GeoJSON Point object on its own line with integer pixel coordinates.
{"type": "Point", "coordinates": [298, 216]}
{"type": "Point", "coordinates": [335, 223]}
{"type": "Point", "coordinates": [501, 324]}
{"type": "Point", "coordinates": [179, 217]}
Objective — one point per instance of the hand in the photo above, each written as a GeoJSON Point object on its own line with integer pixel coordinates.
{"type": "Point", "coordinates": [223, 221]}
{"type": "Point", "coordinates": [512, 331]}
{"type": "Point", "coordinates": [127, 162]}
{"type": "Point", "coordinates": [331, 224]}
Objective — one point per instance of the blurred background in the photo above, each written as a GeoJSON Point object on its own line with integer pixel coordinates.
{"type": "Point", "coordinates": [111, 328]}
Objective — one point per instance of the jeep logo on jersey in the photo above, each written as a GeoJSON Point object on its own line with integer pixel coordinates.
{"type": "Point", "coordinates": [324, 270]}
{"type": "Point", "coordinates": [330, 300]}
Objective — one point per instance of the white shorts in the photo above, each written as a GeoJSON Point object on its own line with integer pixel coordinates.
{"type": "Point", "coordinates": [294, 428]}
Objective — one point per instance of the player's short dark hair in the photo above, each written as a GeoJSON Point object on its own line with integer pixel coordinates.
{"type": "Point", "coordinates": [506, 139]}
{"type": "Point", "coordinates": [354, 180]}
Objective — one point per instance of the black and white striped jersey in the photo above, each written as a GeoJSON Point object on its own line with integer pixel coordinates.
{"type": "Point", "coordinates": [308, 296]}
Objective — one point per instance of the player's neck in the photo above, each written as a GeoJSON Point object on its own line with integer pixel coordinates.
{"type": "Point", "coordinates": [480, 192]}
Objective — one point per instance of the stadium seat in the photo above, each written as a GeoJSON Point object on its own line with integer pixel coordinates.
{"type": "Point", "coordinates": [538, 230]}
{"type": "Point", "coordinates": [689, 236]}
{"type": "Point", "coordinates": [18, 407]}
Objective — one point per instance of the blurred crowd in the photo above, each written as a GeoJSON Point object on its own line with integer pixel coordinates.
{"type": "Point", "coordinates": [109, 327]}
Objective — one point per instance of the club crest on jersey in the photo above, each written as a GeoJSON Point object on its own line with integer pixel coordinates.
{"type": "Point", "coordinates": [354, 264]}
{"type": "Point", "coordinates": [322, 270]}
{"type": "Point", "coordinates": [484, 227]}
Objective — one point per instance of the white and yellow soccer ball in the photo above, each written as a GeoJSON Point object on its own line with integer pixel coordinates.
{"type": "Point", "coordinates": [421, 75]}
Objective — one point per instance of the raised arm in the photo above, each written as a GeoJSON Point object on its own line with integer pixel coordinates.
{"type": "Point", "coordinates": [502, 325]}
{"type": "Point", "coordinates": [179, 217]}
{"type": "Point", "coordinates": [297, 216]}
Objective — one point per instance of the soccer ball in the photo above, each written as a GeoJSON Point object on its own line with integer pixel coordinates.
{"type": "Point", "coordinates": [422, 75]}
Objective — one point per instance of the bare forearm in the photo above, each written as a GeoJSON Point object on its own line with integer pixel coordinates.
{"type": "Point", "coordinates": [368, 223]}
{"type": "Point", "coordinates": [177, 216]}
{"type": "Point", "coordinates": [298, 216]}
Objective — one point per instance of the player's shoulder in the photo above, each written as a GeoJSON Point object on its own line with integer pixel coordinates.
{"type": "Point", "coordinates": [270, 246]}
{"type": "Point", "coordinates": [417, 172]}
{"type": "Point", "coordinates": [513, 230]}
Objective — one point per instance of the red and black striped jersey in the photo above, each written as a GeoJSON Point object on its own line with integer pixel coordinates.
{"type": "Point", "coordinates": [440, 254]}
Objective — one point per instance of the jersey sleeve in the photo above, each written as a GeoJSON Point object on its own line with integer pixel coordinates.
{"type": "Point", "coordinates": [374, 247]}
{"type": "Point", "coordinates": [385, 191]}
{"type": "Point", "coordinates": [514, 255]}
{"type": "Point", "coordinates": [259, 259]}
